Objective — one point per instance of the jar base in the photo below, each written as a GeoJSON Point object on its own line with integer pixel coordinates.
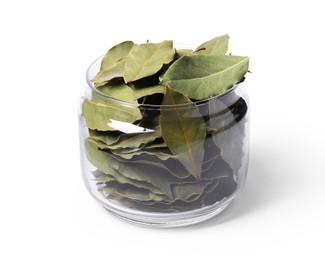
{"type": "Point", "coordinates": [169, 221]}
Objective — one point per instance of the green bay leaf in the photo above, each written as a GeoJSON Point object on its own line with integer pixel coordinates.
{"type": "Point", "coordinates": [105, 137]}
{"type": "Point", "coordinates": [115, 176]}
{"type": "Point", "coordinates": [200, 76]}
{"type": "Point", "coordinates": [147, 59]}
{"type": "Point", "coordinates": [105, 76]}
{"type": "Point", "coordinates": [217, 45]}
{"type": "Point", "coordinates": [132, 193]}
{"type": "Point", "coordinates": [183, 130]}
{"type": "Point", "coordinates": [135, 140]}
{"type": "Point", "coordinates": [140, 92]}
{"type": "Point", "coordinates": [119, 91]}
{"type": "Point", "coordinates": [116, 54]}
{"type": "Point", "coordinates": [188, 191]}
{"type": "Point", "coordinates": [159, 154]}
{"type": "Point", "coordinates": [112, 65]}
{"type": "Point", "coordinates": [229, 138]}
{"type": "Point", "coordinates": [183, 52]}
{"type": "Point", "coordinates": [98, 115]}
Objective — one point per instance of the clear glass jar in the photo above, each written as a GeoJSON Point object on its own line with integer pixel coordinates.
{"type": "Point", "coordinates": [131, 171]}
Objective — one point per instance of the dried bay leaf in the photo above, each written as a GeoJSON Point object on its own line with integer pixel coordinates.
{"type": "Point", "coordinates": [102, 177]}
{"type": "Point", "coordinates": [115, 176]}
{"type": "Point", "coordinates": [183, 130]}
{"type": "Point", "coordinates": [147, 86]}
{"type": "Point", "coordinates": [188, 192]}
{"type": "Point", "coordinates": [107, 75]}
{"type": "Point", "coordinates": [112, 65]}
{"type": "Point", "coordinates": [199, 76]}
{"type": "Point", "coordinates": [105, 162]}
{"type": "Point", "coordinates": [217, 45]}
{"type": "Point", "coordinates": [147, 59]}
{"type": "Point", "coordinates": [225, 188]}
{"type": "Point", "coordinates": [132, 193]}
{"type": "Point", "coordinates": [105, 137]}
{"type": "Point", "coordinates": [135, 140]}
{"type": "Point", "coordinates": [99, 113]}
{"type": "Point", "coordinates": [156, 144]}
{"type": "Point", "coordinates": [183, 52]}
{"type": "Point", "coordinates": [154, 164]}
{"type": "Point", "coordinates": [230, 139]}
{"type": "Point", "coordinates": [119, 91]}
{"type": "Point", "coordinates": [189, 199]}
{"type": "Point", "coordinates": [148, 90]}
{"type": "Point", "coordinates": [116, 54]}
{"type": "Point", "coordinates": [161, 155]}
{"type": "Point", "coordinates": [181, 193]}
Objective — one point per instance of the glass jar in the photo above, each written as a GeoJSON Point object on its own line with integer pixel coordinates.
{"type": "Point", "coordinates": [134, 173]}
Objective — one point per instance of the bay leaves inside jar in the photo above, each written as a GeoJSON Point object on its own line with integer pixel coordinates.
{"type": "Point", "coordinates": [105, 162]}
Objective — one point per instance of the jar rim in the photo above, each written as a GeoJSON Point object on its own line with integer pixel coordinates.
{"type": "Point", "coordinates": [152, 106]}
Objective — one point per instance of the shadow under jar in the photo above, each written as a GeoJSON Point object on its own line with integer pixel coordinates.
{"type": "Point", "coordinates": [164, 165]}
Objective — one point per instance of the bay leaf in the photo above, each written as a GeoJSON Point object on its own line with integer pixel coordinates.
{"type": "Point", "coordinates": [147, 59]}
{"type": "Point", "coordinates": [105, 162]}
{"type": "Point", "coordinates": [161, 155]}
{"type": "Point", "coordinates": [131, 193]}
{"type": "Point", "coordinates": [125, 150]}
{"type": "Point", "coordinates": [104, 76]}
{"type": "Point", "coordinates": [188, 192]}
{"type": "Point", "coordinates": [116, 54]}
{"type": "Point", "coordinates": [187, 52]}
{"type": "Point", "coordinates": [192, 201]}
{"type": "Point", "coordinates": [224, 189]}
{"type": "Point", "coordinates": [113, 62]}
{"type": "Point", "coordinates": [119, 91]}
{"type": "Point", "coordinates": [148, 91]}
{"type": "Point", "coordinates": [98, 115]}
{"type": "Point", "coordinates": [135, 140]}
{"type": "Point", "coordinates": [230, 138]}
{"type": "Point", "coordinates": [102, 177]}
{"type": "Point", "coordinates": [154, 164]}
{"type": "Point", "coordinates": [183, 130]}
{"type": "Point", "coordinates": [217, 45]}
{"type": "Point", "coordinates": [199, 76]}
{"type": "Point", "coordinates": [209, 163]}
{"type": "Point", "coordinates": [183, 52]}
{"type": "Point", "coordinates": [140, 92]}
{"type": "Point", "coordinates": [155, 145]}
{"type": "Point", "coordinates": [106, 137]}
{"type": "Point", "coordinates": [115, 176]}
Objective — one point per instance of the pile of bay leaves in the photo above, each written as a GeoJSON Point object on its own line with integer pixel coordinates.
{"type": "Point", "coordinates": [165, 132]}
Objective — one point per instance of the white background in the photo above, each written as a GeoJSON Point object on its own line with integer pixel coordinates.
{"type": "Point", "coordinates": [45, 48]}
